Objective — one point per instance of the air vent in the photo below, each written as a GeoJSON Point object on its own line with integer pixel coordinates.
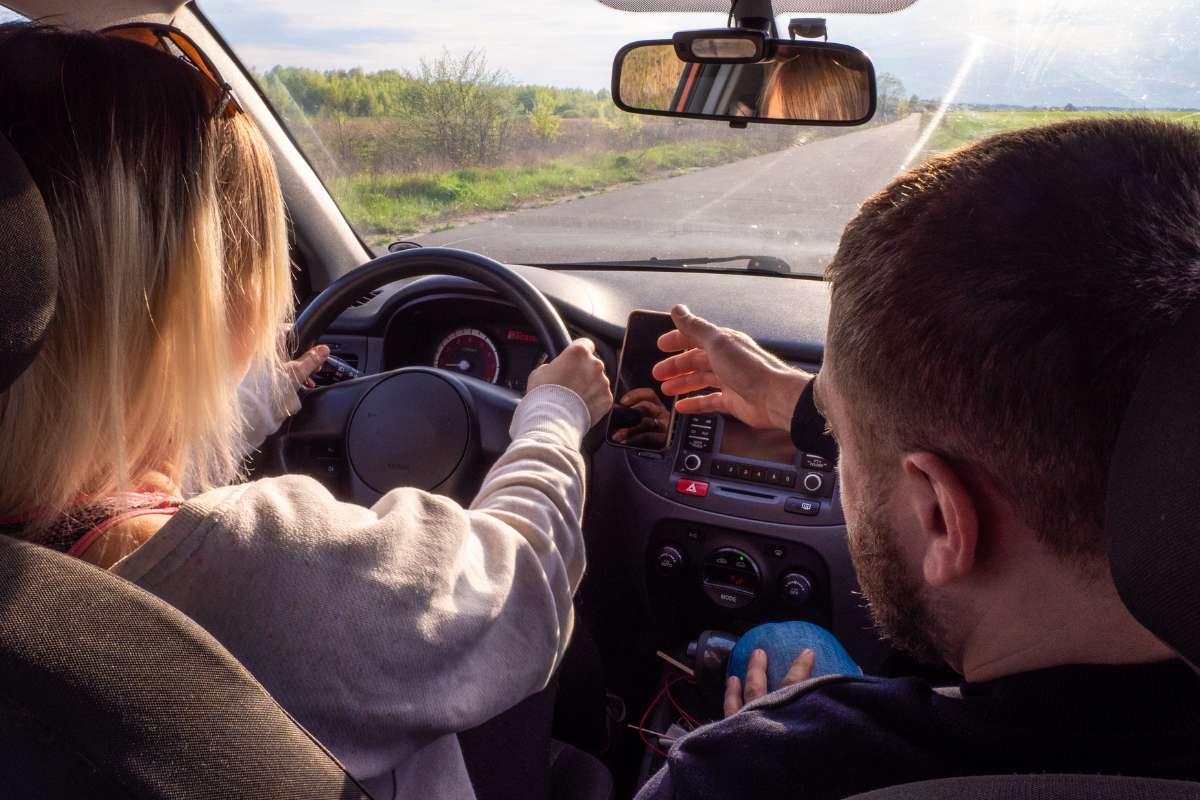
{"type": "Point", "coordinates": [366, 298]}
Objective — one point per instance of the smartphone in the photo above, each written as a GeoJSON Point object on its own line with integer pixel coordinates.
{"type": "Point", "coordinates": [642, 416]}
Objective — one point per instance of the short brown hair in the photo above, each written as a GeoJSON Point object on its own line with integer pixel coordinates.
{"type": "Point", "coordinates": [996, 304]}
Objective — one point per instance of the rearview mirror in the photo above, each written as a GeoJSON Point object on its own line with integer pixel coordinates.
{"type": "Point", "coordinates": [732, 76]}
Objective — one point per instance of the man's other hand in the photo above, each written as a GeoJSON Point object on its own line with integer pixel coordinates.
{"type": "Point", "coordinates": [737, 695]}
{"type": "Point", "coordinates": [752, 385]}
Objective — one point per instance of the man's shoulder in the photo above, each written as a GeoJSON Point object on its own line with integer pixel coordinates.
{"type": "Point", "coordinates": [826, 735]}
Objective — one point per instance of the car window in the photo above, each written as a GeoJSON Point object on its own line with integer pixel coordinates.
{"type": "Point", "coordinates": [495, 131]}
{"type": "Point", "coordinates": [10, 16]}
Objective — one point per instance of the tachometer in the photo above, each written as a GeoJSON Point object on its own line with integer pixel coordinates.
{"type": "Point", "coordinates": [469, 351]}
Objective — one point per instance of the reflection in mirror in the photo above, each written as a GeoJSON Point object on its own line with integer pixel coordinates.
{"type": "Point", "coordinates": [724, 48]}
{"type": "Point", "coordinates": [802, 82]}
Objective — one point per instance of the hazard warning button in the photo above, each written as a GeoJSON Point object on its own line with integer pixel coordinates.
{"type": "Point", "coordinates": [694, 488]}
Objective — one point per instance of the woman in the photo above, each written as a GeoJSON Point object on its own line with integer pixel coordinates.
{"type": "Point", "coordinates": [383, 630]}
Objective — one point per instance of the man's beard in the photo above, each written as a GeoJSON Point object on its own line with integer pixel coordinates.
{"type": "Point", "coordinates": [899, 604]}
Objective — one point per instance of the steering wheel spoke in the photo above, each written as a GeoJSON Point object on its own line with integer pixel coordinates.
{"type": "Point", "coordinates": [494, 407]}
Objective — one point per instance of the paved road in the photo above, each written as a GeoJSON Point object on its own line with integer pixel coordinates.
{"type": "Point", "coordinates": [792, 204]}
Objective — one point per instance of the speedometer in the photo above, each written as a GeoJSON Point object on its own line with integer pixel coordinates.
{"type": "Point", "coordinates": [471, 352]}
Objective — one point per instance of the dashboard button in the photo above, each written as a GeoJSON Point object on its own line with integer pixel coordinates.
{"type": "Point", "coordinates": [758, 474]}
{"type": "Point", "coordinates": [816, 462]}
{"type": "Point", "coordinates": [325, 451]}
{"type": "Point", "coordinates": [728, 596]}
{"type": "Point", "coordinates": [693, 488]}
{"type": "Point", "coordinates": [744, 472]}
{"type": "Point", "coordinates": [691, 462]}
{"type": "Point", "coordinates": [787, 479]}
{"type": "Point", "coordinates": [815, 483]}
{"type": "Point", "coordinates": [802, 505]}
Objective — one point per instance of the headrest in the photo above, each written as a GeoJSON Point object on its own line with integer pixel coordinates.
{"type": "Point", "coordinates": [28, 266]}
{"type": "Point", "coordinates": [1152, 511]}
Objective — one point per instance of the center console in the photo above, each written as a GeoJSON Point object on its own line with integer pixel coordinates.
{"type": "Point", "coordinates": [718, 573]}
{"type": "Point", "coordinates": [722, 465]}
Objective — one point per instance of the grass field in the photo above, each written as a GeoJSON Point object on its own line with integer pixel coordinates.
{"type": "Point", "coordinates": [961, 127]}
{"type": "Point", "coordinates": [381, 207]}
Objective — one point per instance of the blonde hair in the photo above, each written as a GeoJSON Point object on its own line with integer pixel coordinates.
{"type": "Point", "coordinates": [172, 251]}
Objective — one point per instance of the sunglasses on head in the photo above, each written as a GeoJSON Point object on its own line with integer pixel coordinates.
{"type": "Point", "coordinates": [177, 43]}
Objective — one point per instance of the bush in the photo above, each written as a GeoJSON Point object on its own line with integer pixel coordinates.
{"type": "Point", "coordinates": [463, 109]}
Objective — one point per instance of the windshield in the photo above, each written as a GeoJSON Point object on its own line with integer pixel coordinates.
{"type": "Point", "coordinates": [489, 126]}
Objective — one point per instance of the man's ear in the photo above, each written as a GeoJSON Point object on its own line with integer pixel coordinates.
{"type": "Point", "coordinates": [947, 517]}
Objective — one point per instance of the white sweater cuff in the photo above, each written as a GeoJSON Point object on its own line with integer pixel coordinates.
{"type": "Point", "coordinates": [555, 410]}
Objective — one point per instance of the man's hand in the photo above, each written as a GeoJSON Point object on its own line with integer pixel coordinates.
{"type": "Point", "coordinates": [753, 385]}
{"type": "Point", "coordinates": [756, 679]}
{"type": "Point", "coordinates": [578, 369]}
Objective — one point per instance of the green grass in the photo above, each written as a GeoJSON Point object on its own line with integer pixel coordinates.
{"type": "Point", "coordinates": [960, 127]}
{"type": "Point", "coordinates": [381, 207]}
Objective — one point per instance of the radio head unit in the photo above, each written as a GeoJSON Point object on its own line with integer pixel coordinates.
{"type": "Point", "coordinates": [718, 456]}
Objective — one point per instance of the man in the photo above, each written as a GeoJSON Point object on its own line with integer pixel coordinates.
{"type": "Point", "coordinates": [990, 314]}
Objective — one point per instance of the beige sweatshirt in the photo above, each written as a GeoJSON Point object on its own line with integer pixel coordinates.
{"type": "Point", "coordinates": [385, 630]}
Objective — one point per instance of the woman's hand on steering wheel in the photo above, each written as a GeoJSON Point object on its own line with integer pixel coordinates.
{"type": "Point", "coordinates": [577, 368]}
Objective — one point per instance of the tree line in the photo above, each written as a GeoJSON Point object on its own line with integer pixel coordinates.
{"type": "Point", "coordinates": [390, 92]}
{"type": "Point", "coordinates": [458, 111]}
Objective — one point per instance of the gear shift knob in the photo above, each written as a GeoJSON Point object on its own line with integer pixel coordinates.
{"type": "Point", "coordinates": [710, 655]}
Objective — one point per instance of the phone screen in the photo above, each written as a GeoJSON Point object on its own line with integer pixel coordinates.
{"type": "Point", "coordinates": [641, 415]}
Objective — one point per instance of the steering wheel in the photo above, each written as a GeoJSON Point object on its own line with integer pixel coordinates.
{"type": "Point", "coordinates": [414, 426]}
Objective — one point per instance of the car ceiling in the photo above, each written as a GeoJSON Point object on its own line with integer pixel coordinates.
{"type": "Point", "coordinates": [87, 15]}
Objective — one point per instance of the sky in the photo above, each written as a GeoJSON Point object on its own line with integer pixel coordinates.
{"type": "Point", "coordinates": [1023, 52]}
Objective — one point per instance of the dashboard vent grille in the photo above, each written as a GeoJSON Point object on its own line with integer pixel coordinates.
{"type": "Point", "coordinates": [366, 298]}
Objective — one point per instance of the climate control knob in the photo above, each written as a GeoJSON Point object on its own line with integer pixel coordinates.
{"type": "Point", "coordinates": [670, 560]}
{"type": "Point", "coordinates": [796, 587]}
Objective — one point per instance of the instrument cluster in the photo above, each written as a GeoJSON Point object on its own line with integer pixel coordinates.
{"type": "Point", "coordinates": [485, 339]}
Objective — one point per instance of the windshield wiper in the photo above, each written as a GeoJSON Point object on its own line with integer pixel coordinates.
{"type": "Point", "coordinates": [763, 265]}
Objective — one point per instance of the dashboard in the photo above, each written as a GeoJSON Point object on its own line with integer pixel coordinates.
{"type": "Point", "coordinates": [729, 528]}
{"type": "Point", "coordinates": [483, 338]}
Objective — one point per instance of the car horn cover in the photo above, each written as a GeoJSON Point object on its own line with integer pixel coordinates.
{"type": "Point", "coordinates": [412, 429]}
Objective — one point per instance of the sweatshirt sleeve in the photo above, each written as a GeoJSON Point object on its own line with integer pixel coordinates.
{"type": "Point", "coordinates": [381, 629]}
